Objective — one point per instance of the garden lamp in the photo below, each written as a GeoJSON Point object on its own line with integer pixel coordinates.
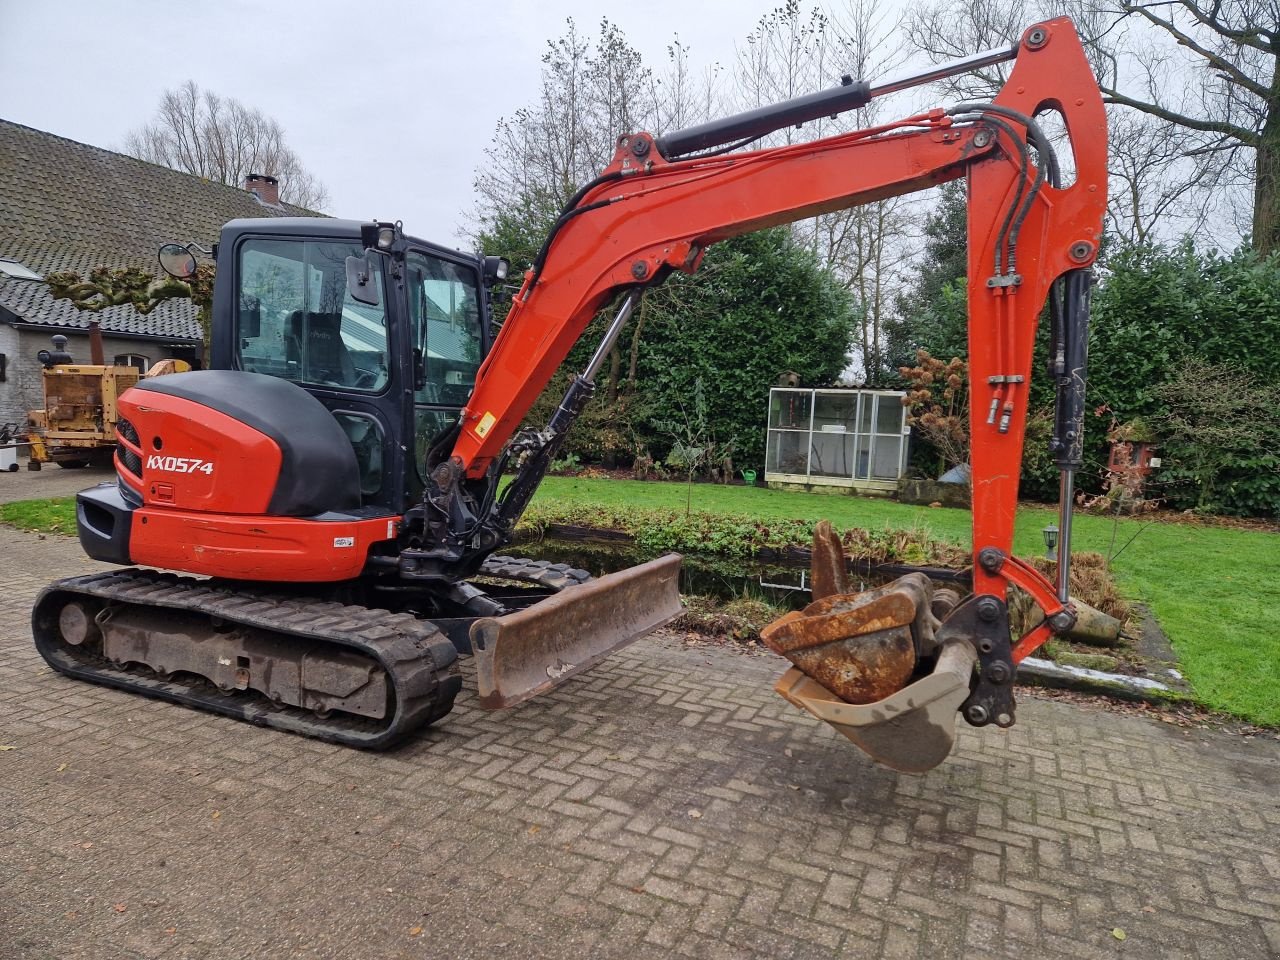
{"type": "Point", "coordinates": [1051, 541]}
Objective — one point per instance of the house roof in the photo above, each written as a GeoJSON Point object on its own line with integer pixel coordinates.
{"type": "Point", "coordinates": [70, 206]}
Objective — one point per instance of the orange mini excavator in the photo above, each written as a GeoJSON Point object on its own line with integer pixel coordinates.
{"type": "Point", "coordinates": [344, 475]}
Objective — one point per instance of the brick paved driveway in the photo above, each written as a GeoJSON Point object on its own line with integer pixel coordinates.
{"type": "Point", "coordinates": [666, 805]}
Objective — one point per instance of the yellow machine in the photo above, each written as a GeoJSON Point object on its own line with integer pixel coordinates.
{"type": "Point", "coordinates": [78, 423]}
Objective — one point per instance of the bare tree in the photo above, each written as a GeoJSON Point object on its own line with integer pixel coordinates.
{"type": "Point", "coordinates": [1210, 68]}
{"type": "Point", "coordinates": [1203, 74]}
{"type": "Point", "coordinates": [219, 138]}
{"type": "Point", "coordinates": [793, 51]}
{"type": "Point", "coordinates": [593, 90]}
{"type": "Point", "coordinates": [543, 152]}
{"type": "Point", "coordinates": [950, 29]}
{"type": "Point", "coordinates": [1156, 188]}
{"type": "Point", "coordinates": [682, 96]}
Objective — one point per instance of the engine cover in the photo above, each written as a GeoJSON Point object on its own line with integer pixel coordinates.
{"type": "Point", "coordinates": [229, 442]}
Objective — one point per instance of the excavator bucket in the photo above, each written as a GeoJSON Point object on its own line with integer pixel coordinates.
{"type": "Point", "coordinates": [870, 664]}
{"type": "Point", "coordinates": [912, 730]}
{"type": "Point", "coordinates": [523, 654]}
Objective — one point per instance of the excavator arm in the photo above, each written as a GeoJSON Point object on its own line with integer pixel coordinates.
{"type": "Point", "coordinates": [658, 206]}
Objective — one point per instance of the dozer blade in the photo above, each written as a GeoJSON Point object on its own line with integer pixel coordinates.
{"type": "Point", "coordinates": [912, 730]}
{"type": "Point", "coordinates": [523, 654]}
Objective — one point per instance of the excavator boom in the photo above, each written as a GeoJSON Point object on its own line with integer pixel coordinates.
{"type": "Point", "coordinates": [1032, 238]}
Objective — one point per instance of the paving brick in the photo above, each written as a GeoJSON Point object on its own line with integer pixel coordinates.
{"type": "Point", "coordinates": [561, 828]}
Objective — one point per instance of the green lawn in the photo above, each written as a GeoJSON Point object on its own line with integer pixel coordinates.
{"type": "Point", "coordinates": [1215, 590]}
{"type": "Point", "coordinates": [48, 516]}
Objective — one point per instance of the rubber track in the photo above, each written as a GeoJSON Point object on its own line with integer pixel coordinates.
{"type": "Point", "coordinates": [557, 576]}
{"type": "Point", "coordinates": [418, 658]}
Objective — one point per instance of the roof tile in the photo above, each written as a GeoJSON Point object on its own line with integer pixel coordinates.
{"type": "Point", "coordinates": [70, 206]}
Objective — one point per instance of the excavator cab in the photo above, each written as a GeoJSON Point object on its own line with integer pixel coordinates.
{"type": "Point", "coordinates": [417, 327]}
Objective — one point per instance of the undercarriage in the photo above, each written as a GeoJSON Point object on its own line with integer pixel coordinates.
{"type": "Point", "coordinates": [348, 673]}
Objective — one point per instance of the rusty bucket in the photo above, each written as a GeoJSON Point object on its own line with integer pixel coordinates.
{"type": "Point", "coordinates": [870, 664]}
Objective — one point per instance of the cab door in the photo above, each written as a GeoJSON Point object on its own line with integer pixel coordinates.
{"type": "Point", "coordinates": [446, 323]}
{"type": "Point", "coordinates": [296, 320]}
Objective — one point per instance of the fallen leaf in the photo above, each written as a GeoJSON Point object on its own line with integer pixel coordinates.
{"type": "Point", "coordinates": [1118, 933]}
{"type": "Point", "coordinates": [415, 931]}
{"type": "Point", "coordinates": [217, 814]}
{"type": "Point", "coordinates": [62, 767]}
{"type": "Point", "coordinates": [535, 828]}
{"type": "Point", "coordinates": [119, 908]}
{"type": "Point", "coordinates": [5, 746]}
{"type": "Point", "coordinates": [695, 814]}
{"type": "Point", "coordinates": [86, 845]}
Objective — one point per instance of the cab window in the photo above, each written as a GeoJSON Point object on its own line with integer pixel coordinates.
{"type": "Point", "coordinates": [297, 322]}
{"type": "Point", "coordinates": [444, 311]}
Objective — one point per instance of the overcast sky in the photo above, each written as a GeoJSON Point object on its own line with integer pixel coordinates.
{"type": "Point", "coordinates": [391, 105]}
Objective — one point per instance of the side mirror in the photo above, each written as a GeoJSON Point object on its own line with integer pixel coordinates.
{"type": "Point", "coordinates": [361, 282]}
{"type": "Point", "coordinates": [177, 261]}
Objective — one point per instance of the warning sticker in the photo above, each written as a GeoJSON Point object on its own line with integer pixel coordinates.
{"type": "Point", "coordinates": [485, 425]}
{"type": "Point", "coordinates": [344, 541]}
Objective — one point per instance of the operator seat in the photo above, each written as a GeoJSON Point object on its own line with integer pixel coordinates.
{"type": "Point", "coordinates": [319, 335]}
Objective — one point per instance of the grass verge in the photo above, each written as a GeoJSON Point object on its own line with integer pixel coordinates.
{"type": "Point", "coordinates": [41, 516]}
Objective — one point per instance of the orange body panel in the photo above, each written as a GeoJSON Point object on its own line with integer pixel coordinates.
{"type": "Point", "coordinates": [292, 549]}
{"type": "Point", "coordinates": [195, 458]}
{"type": "Point", "coordinates": [1062, 231]}
{"type": "Point", "coordinates": [206, 482]}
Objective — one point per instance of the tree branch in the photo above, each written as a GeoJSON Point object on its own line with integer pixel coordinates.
{"type": "Point", "coordinates": [1247, 137]}
{"type": "Point", "coordinates": [1249, 37]}
{"type": "Point", "coordinates": [1216, 60]}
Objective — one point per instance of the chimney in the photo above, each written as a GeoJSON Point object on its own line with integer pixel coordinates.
{"type": "Point", "coordinates": [96, 353]}
{"type": "Point", "coordinates": [265, 188]}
